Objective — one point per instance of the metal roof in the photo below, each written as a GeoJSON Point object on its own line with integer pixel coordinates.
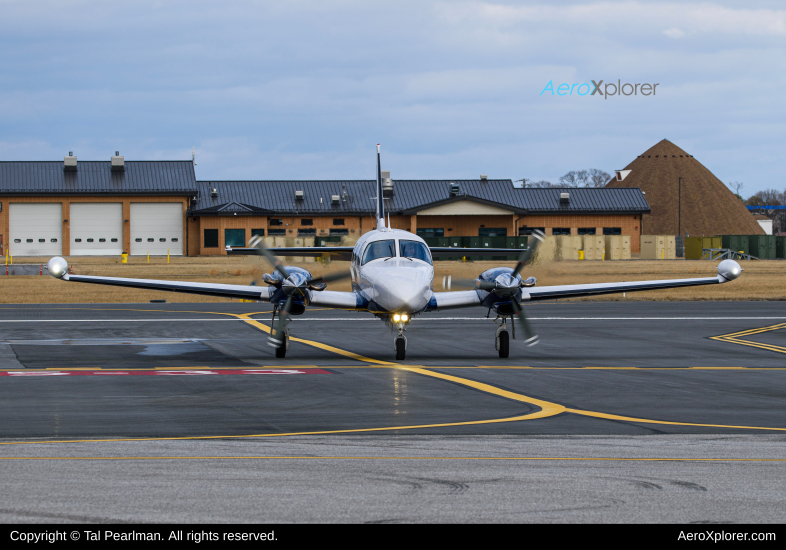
{"type": "Point", "coordinates": [97, 177]}
{"type": "Point", "coordinates": [410, 196]}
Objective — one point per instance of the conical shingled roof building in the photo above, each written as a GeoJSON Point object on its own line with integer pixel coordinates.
{"type": "Point", "coordinates": [708, 206]}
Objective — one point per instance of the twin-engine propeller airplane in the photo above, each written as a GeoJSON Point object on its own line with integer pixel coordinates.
{"type": "Point", "coordinates": [392, 278]}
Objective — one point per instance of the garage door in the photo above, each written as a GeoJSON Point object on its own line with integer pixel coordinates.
{"type": "Point", "coordinates": [157, 227]}
{"type": "Point", "coordinates": [96, 228]}
{"type": "Point", "coordinates": [36, 229]}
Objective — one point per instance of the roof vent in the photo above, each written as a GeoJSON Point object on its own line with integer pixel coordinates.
{"type": "Point", "coordinates": [298, 195]}
{"type": "Point", "coordinates": [564, 198]}
{"type": "Point", "coordinates": [387, 184]}
{"type": "Point", "coordinates": [455, 189]}
{"type": "Point", "coordinates": [214, 192]}
{"type": "Point", "coordinates": [69, 162]}
{"type": "Point", "coordinates": [484, 177]}
{"type": "Point", "coordinates": [622, 174]}
{"type": "Point", "coordinates": [118, 162]}
{"type": "Point", "coordinates": [335, 199]}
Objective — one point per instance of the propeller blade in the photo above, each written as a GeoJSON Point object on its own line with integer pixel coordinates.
{"type": "Point", "coordinates": [531, 337]}
{"type": "Point", "coordinates": [331, 277]}
{"type": "Point", "coordinates": [256, 242]}
{"type": "Point", "coordinates": [277, 331]}
{"type": "Point", "coordinates": [448, 282]}
{"type": "Point", "coordinates": [532, 245]}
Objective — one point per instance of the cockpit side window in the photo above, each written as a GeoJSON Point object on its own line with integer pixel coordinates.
{"type": "Point", "coordinates": [379, 249]}
{"type": "Point", "coordinates": [415, 250]}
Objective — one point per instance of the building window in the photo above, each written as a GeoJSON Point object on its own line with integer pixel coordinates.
{"type": "Point", "coordinates": [276, 232]}
{"type": "Point", "coordinates": [612, 231]}
{"type": "Point", "coordinates": [560, 231]}
{"type": "Point", "coordinates": [211, 238]}
{"type": "Point", "coordinates": [306, 232]}
{"type": "Point", "coordinates": [338, 221]}
{"type": "Point", "coordinates": [492, 232]}
{"type": "Point", "coordinates": [338, 232]}
{"type": "Point", "coordinates": [306, 221]}
{"type": "Point", "coordinates": [234, 237]}
{"type": "Point", "coordinates": [528, 230]}
{"type": "Point", "coordinates": [586, 230]}
{"type": "Point", "coordinates": [257, 232]}
{"type": "Point", "coordinates": [430, 232]}
{"type": "Point", "coordinates": [275, 221]}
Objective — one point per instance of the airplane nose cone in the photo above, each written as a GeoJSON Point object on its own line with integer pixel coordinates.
{"type": "Point", "coordinates": [403, 290]}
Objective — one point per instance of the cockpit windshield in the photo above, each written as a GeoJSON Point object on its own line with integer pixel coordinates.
{"type": "Point", "coordinates": [416, 250]}
{"type": "Point", "coordinates": [379, 249]}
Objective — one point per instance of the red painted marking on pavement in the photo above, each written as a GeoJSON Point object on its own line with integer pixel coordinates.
{"type": "Point", "coordinates": [171, 372]}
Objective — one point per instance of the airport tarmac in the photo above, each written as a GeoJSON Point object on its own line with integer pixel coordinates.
{"type": "Point", "coordinates": [641, 411]}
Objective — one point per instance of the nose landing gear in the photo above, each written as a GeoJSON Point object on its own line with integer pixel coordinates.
{"type": "Point", "coordinates": [400, 342]}
{"type": "Point", "coordinates": [502, 339]}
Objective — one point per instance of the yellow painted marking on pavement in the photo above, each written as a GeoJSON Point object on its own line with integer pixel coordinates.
{"type": "Point", "coordinates": [718, 368]}
{"type": "Point", "coordinates": [648, 421]}
{"type": "Point", "coordinates": [736, 338]}
{"type": "Point", "coordinates": [289, 434]}
{"type": "Point", "coordinates": [496, 458]}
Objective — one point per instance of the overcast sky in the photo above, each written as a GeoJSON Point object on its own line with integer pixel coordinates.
{"type": "Point", "coordinates": [305, 89]}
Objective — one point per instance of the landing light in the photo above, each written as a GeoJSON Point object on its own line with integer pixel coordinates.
{"type": "Point", "coordinates": [397, 317]}
{"type": "Point", "coordinates": [405, 318]}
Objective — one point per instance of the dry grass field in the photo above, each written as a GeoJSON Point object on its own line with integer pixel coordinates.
{"type": "Point", "coordinates": [762, 280]}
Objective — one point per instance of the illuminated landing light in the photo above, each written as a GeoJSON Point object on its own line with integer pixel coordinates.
{"type": "Point", "coordinates": [397, 317]}
{"type": "Point", "coordinates": [405, 317]}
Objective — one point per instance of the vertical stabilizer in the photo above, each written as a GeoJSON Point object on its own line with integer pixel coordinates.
{"type": "Point", "coordinates": [380, 202]}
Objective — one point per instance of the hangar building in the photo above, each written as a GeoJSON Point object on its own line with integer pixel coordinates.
{"type": "Point", "coordinates": [158, 207]}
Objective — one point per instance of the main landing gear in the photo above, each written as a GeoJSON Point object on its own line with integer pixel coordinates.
{"type": "Point", "coordinates": [502, 339]}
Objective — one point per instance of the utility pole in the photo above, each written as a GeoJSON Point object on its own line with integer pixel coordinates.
{"type": "Point", "coordinates": [679, 207]}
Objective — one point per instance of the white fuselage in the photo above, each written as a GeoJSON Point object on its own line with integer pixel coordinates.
{"type": "Point", "coordinates": [391, 281]}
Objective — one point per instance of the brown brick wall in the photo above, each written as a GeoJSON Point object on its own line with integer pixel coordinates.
{"type": "Point", "coordinates": [66, 202]}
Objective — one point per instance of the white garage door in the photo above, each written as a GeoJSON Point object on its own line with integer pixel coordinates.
{"type": "Point", "coordinates": [36, 229]}
{"type": "Point", "coordinates": [157, 227]}
{"type": "Point", "coordinates": [96, 228]}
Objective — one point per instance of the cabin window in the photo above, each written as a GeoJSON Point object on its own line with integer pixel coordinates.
{"type": "Point", "coordinates": [379, 249]}
{"type": "Point", "coordinates": [415, 250]}
{"type": "Point", "coordinates": [80, 240]}
{"type": "Point", "coordinates": [135, 240]}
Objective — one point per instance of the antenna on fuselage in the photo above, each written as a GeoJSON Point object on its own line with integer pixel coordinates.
{"type": "Point", "coordinates": [380, 202]}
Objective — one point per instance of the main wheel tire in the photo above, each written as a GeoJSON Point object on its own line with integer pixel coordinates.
{"type": "Point", "coordinates": [281, 351]}
{"type": "Point", "coordinates": [401, 349]}
{"type": "Point", "coordinates": [504, 344]}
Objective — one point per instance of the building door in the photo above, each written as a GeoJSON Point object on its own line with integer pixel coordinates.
{"type": "Point", "coordinates": [156, 227]}
{"type": "Point", "coordinates": [96, 228]}
{"type": "Point", "coordinates": [36, 229]}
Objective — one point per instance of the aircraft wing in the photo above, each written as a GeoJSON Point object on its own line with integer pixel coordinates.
{"type": "Point", "coordinates": [444, 251]}
{"type": "Point", "coordinates": [339, 253]}
{"type": "Point", "coordinates": [247, 292]}
{"type": "Point", "coordinates": [728, 270]}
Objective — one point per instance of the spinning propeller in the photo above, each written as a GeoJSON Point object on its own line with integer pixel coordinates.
{"type": "Point", "coordinates": [289, 285]}
{"type": "Point", "coordinates": [506, 285]}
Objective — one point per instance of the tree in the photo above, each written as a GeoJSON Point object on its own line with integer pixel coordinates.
{"type": "Point", "coordinates": [766, 197]}
{"type": "Point", "coordinates": [585, 178]}
{"type": "Point", "coordinates": [541, 184]}
{"type": "Point", "coordinates": [598, 178]}
{"type": "Point", "coordinates": [736, 188]}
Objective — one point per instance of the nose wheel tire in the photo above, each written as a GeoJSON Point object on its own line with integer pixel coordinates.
{"type": "Point", "coordinates": [503, 344]}
{"type": "Point", "coordinates": [281, 351]}
{"type": "Point", "coordinates": [401, 349]}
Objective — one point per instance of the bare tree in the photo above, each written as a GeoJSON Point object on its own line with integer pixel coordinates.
{"type": "Point", "coordinates": [598, 178]}
{"type": "Point", "coordinates": [541, 184]}
{"type": "Point", "coordinates": [570, 179]}
{"type": "Point", "coordinates": [767, 196]}
{"type": "Point", "coordinates": [736, 188]}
